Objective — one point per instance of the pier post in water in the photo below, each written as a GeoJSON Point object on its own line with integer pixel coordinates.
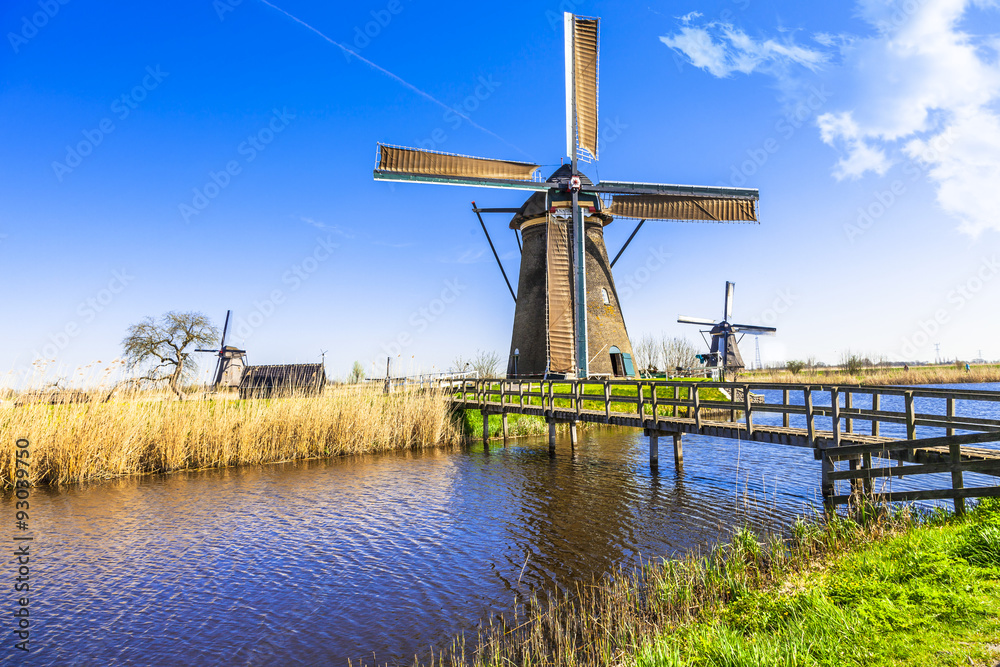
{"type": "Point", "coordinates": [678, 451]}
{"type": "Point", "coordinates": [503, 424]}
{"type": "Point", "coordinates": [552, 436]}
{"type": "Point", "coordinates": [486, 429]}
{"type": "Point", "coordinates": [654, 449]}
{"type": "Point", "coordinates": [572, 434]}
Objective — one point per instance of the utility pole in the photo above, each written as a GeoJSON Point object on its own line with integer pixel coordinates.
{"type": "Point", "coordinates": [937, 353]}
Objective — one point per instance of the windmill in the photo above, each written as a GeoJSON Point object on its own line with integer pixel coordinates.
{"type": "Point", "coordinates": [724, 348]}
{"type": "Point", "coordinates": [232, 361]}
{"type": "Point", "coordinates": [568, 320]}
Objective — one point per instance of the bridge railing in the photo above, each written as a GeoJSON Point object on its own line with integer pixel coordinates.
{"type": "Point", "coordinates": [915, 420]}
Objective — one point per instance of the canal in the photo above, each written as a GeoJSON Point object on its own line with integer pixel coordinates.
{"type": "Point", "coordinates": [374, 558]}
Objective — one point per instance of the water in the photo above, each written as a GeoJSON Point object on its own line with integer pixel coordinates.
{"type": "Point", "coordinates": [383, 556]}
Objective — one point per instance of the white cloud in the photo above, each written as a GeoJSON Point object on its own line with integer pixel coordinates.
{"type": "Point", "coordinates": [917, 88]}
{"type": "Point", "coordinates": [721, 49]}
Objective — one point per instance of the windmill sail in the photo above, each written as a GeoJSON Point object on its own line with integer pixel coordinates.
{"type": "Point", "coordinates": [397, 160]}
{"type": "Point", "coordinates": [582, 51]}
{"type": "Point", "coordinates": [559, 298]}
{"type": "Point", "coordinates": [672, 207]}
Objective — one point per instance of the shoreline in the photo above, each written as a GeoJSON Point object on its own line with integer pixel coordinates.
{"type": "Point", "coordinates": [885, 587]}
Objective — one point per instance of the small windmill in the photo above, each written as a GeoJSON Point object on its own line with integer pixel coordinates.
{"type": "Point", "coordinates": [232, 361]}
{"type": "Point", "coordinates": [724, 351]}
{"type": "Point", "coordinates": [568, 319]}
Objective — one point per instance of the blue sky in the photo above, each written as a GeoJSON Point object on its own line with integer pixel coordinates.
{"type": "Point", "coordinates": [211, 155]}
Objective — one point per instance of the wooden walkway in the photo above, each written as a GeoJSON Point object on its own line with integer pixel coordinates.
{"type": "Point", "coordinates": [946, 442]}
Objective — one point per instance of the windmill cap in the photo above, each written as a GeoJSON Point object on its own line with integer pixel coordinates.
{"type": "Point", "coordinates": [534, 207]}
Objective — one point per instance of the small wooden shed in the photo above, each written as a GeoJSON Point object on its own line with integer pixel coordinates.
{"type": "Point", "coordinates": [282, 380]}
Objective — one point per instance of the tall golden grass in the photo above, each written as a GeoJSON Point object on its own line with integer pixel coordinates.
{"type": "Point", "coordinates": [141, 434]}
{"type": "Point", "coordinates": [881, 376]}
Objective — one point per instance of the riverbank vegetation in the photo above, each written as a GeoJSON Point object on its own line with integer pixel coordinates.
{"type": "Point", "coordinates": [878, 375]}
{"type": "Point", "coordinates": [884, 588]}
{"type": "Point", "coordinates": [148, 432]}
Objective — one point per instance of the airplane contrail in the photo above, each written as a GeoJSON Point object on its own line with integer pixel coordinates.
{"type": "Point", "coordinates": [399, 79]}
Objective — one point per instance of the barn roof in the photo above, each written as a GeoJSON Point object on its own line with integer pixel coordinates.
{"type": "Point", "coordinates": [286, 375]}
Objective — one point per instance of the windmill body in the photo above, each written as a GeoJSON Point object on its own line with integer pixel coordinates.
{"type": "Point", "coordinates": [543, 342]}
{"type": "Point", "coordinates": [724, 349]}
{"type": "Point", "coordinates": [231, 364]}
{"type": "Point", "coordinates": [568, 320]}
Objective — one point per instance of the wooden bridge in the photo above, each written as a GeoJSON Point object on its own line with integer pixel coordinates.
{"type": "Point", "coordinates": [917, 431]}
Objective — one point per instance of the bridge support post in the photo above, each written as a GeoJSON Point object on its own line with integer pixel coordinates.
{"type": "Point", "coordinates": [678, 451]}
{"type": "Point", "coordinates": [552, 436]}
{"type": "Point", "coordinates": [654, 449]}
{"type": "Point", "coordinates": [827, 485]}
{"type": "Point", "coordinates": [572, 434]}
{"type": "Point", "coordinates": [486, 429]}
{"type": "Point", "coordinates": [503, 424]}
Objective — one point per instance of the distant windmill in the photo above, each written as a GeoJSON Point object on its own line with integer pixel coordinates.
{"type": "Point", "coordinates": [232, 361]}
{"type": "Point", "coordinates": [724, 351]}
{"type": "Point", "coordinates": [568, 320]}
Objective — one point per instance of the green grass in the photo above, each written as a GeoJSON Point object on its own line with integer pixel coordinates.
{"type": "Point", "coordinates": [929, 596]}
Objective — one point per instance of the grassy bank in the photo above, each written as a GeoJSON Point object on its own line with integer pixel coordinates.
{"type": "Point", "coordinates": [881, 376]}
{"type": "Point", "coordinates": [886, 589]}
{"type": "Point", "coordinates": [83, 441]}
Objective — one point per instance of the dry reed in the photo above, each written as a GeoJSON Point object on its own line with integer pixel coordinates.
{"type": "Point", "coordinates": [98, 440]}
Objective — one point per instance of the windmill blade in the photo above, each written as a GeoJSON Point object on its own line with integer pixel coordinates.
{"type": "Point", "coordinates": [582, 37]}
{"type": "Point", "coordinates": [637, 188]}
{"type": "Point", "coordinates": [397, 163]}
{"type": "Point", "coordinates": [679, 207]}
{"type": "Point", "coordinates": [225, 328]}
{"type": "Point", "coordinates": [754, 330]}
{"type": "Point", "coordinates": [728, 309]}
{"type": "Point", "coordinates": [695, 320]}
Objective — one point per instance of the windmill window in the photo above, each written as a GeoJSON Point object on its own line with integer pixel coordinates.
{"type": "Point", "coordinates": [604, 297]}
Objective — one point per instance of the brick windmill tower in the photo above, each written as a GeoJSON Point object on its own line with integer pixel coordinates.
{"type": "Point", "coordinates": [568, 322]}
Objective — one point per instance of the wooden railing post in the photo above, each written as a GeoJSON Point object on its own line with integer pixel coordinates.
{"type": "Point", "coordinates": [748, 410]}
{"type": "Point", "coordinates": [607, 400]}
{"type": "Point", "coordinates": [810, 417]}
{"type": "Point", "coordinates": [697, 406]}
{"type": "Point", "coordinates": [957, 481]}
{"type": "Point", "coordinates": [835, 404]}
{"type": "Point", "coordinates": [786, 416]}
{"type": "Point", "coordinates": [577, 392]}
{"type": "Point", "coordinates": [653, 389]}
{"type": "Point", "coordinates": [911, 419]}
{"type": "Point", "coordinates": [876, 403]}
{"type": "Point", "coordinates": [638, 393]}
{"type": "Point", "coordinates": [955, 451]}
{"type": "Point", "coordinates": [848, 405]}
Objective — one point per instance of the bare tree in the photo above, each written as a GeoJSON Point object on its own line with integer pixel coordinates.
{"type": "Point", "coordinates": [647, 354]}
{"type": "Point", "coordinates": [486, 364]}
{"type": "Point", "coordinates": [163, 346]}
{"type": "Point", "coordinates": [678, 352]}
